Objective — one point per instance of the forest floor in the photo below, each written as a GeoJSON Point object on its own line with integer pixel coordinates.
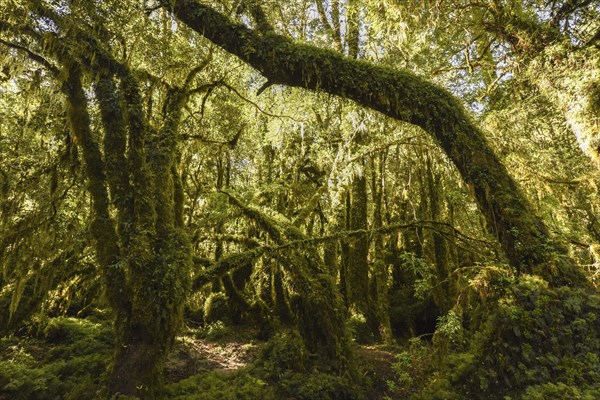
{"type": "Point", "coordinates": [239, 348]}
{"type": "Point", "coordinates": [192, 356]}
{"type": "Point", "coordinates": [66, 358]}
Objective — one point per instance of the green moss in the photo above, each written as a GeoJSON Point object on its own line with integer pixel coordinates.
{"type": "Point", "coordinates": [220, 386]}
{"type": "Point", "coordinates": [68, 362]}
{"type": "Point", "coordinates": [216, 308]}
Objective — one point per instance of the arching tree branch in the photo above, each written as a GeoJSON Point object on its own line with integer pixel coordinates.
{"type": "Point", "coordinates": [407, 97]}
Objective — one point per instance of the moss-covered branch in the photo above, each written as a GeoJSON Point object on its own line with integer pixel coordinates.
{"type": "Point", "coordinates": [407, 97]}
{"type": "Point", "coordinates": [231, 262]}
{"type": "Point", "coordinates": [320, 311]}
{"type": "Point", "coordinates": [226, 264]}
{"type": "Point", "coordinates": [278, 230]}
{"type": "Point", "coordinates": [103, 228]}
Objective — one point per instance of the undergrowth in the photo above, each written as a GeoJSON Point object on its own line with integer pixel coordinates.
{"type": "Point", "coordinates": [65, 359]}
{"type": "Point", "coordinates": [533, 342]}
{"type": "Point", "coordinates": [285, 370]}
{"type": "Point", "coordinates": [536, 343]}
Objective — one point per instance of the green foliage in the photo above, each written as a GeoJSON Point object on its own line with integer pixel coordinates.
{"type": "Point", "coordinates": [20, 382]}
{"type": "Point", "coordinates": [594, 97]}
{"type": "Point", "coordinates": [286, 364]}
{"type": "Point", "coordinates": [550, 391]}
{"type": "Point", "coordinates": [67, 363]}
{"type": "Point", "coordinates": [537, 342]}
{"type": "Point", "coordinates": [317, 385]}
{"type": "Point", "coordinates": [284, 371]}
{"type": "Point", "coordinates": [216, 308]}
{"type": "Point", "coordinates": [220, 386]}
{"type": "Point", "coordinates": [299, 163]}
{"type": "Point", "coordinates": [360, 330]}
{"type": "Point", "coordinates": [413, 368]}
{"type": "Point", "coordinates": [423, 271]}
{"type": "Point", "coordinates": [284, 352]}
{"type": "Point", "coordinates": [213, 331]}
{"type": "Point", "coordinates": [450, 326]}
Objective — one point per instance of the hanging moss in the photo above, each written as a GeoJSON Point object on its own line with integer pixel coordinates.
{"type": "Point", "coordinates": [406, 97]}
{"type": "Point", "coordinates": [318, 305]}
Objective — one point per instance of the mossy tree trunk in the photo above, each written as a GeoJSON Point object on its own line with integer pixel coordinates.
{"type": "Point", "coordinates": [380, 270]}
{"type": "Point", "coordinates": [443, 292]}
{"type": "Point", "coordinates": [357, 279]}
{"type": "Point", "coordinates": [159, 256]}
{"type": "Point", "coordinates": [141, 247]}
{"type": "Point", "coordinates": [343, 220]}
{"type": "Point", "coordinates": [406, 97]}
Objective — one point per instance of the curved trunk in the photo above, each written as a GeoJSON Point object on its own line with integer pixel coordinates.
{"type": "Point", "coordinates": [407, 97]}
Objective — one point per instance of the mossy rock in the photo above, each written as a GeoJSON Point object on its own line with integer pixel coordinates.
{"type": "Point", "coordinates": [216, 308]}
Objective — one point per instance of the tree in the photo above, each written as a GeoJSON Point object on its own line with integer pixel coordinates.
{"type": "Point", "coordinates": [170, 179]}
{"type": "Point", "coordinates": [406, 97]}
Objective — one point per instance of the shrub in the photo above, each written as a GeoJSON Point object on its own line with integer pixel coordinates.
{"type": "Point", "coordinates": [216, 308]}
{"type": "Point", "coordinates": [360, 330]}
{"type": "Point", "coordinates": [220, 386]}
{"type": "Point", "coordinates": [536, 343]}
{"type": "Point", "coordinates": [214, 331]}
{"type": "Point", "coordinates": [293, 372]}
{"type": "Point", "coordinates": [284, 352]}
{"type": "Point", "coordinates": [412, 368]}
{"type": "Point", "coordinates": [69, 363]}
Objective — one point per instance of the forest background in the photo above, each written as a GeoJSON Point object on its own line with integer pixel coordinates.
{"type": "Point", "coordinates": [334, 180]}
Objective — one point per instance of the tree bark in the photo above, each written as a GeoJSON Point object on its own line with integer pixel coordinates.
{"type": "Point", "coordinates": [406, 97]}
{"type": "Point", "coordinates": [146, 256]}
{"type": "Point", "coordinates": [357, 280]}
{"type": "Point", "coordinates": [380, 269]}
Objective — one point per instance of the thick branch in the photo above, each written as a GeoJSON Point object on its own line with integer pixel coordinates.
{"type": "Point", "coordinates": [230, 262]}
{"type": "Point", "coordinates": [35, 57]}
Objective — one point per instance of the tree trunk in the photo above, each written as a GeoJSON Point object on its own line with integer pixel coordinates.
{"type": "Point", "coordinates": [357, 279]}
{"type": "Point", "coordinates": [380, 270]}
{"type": "Point", "coordinates": [148, 241]}
{"type": "Point", "coordinates": [406, 97]}
{"type": "Point", "coordinates": [443, 292]}
{"type": "Point", "coordinates": [343, 221]}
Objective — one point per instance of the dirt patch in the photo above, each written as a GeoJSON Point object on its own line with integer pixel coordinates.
{"type": "Point", "coordinates": [193, 356]}
{"type": "Point", "coordinates": [376, 364]}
